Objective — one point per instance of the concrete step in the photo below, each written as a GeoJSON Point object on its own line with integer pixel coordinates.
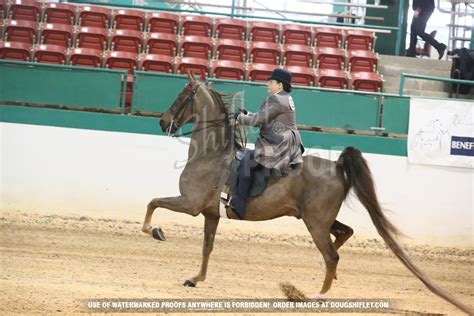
{"type": "Point", "coordinates": [411, 63]}
{"type": "Point", "coordinates": [394, 70]}
{"type": "Point", "coordinates": [416, 84]}
{"type": "Point", "coordinates": [439, 94]}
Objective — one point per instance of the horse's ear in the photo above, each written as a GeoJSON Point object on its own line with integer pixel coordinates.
{"type": "Point", "coordinates": [191, 77]}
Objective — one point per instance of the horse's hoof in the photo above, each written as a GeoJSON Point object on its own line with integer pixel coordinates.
{"type": "Point", "coordinates": [189, 283]}
{"type": "Point", "coordinates": [158, 234]}
{"type": "Point", "coordinates": [320, 296]}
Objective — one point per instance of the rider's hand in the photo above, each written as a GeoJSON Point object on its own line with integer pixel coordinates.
{"type": "Point", "coordinates": [239, 111]}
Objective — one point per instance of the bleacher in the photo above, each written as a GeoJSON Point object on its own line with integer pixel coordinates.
{"type": "Point", "coordinates": [235, 49]}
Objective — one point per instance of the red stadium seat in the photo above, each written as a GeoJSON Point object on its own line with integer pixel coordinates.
{"type": "Point", "coordinates": [128, 19]}
{"type": "Point", "coordinates": [196, 46]}
{"type": "Point", "coordinates": [161, 43]}
{"type": "Point", "coordinates": [162, 22]}
{"type": "Point", "coordinates": [297, 55]}
{"type": "Point", "coordinates": [155, 62]}
{"type": "Point", "coordinates": [126, 41]}
{"type": "Point", "coordinates": [226, 69]}
{"type": "Point", "coordinates": [59, 13]}
{"type": "Point", "coordinates": [362, 60]}
{"type": "Point", "coordinates": [259, 72]}
{"type": "Point", "coordinates": [329, 58]}
{"type": "Point", "coordinates": [15, 51]}
{"type": "Point", "coordinates": [196, 25]}
{"type": "Point", "coordinates": [330, 78]}
{"type": "Point", "coordinates": [56, 34]}
{"type": "Point", "coordinates": [50, 54]}
{"type": "Point", "coordinates": [366, 81]}
{"type": "Point", "coordinates": [327, 37]}
{"type": "Point", "coordinates": [264, 53]}
{"type": "Point", "coordinates": [91, 37]}
{"type": "Point", "coordinates": [86, 57]}
{"type": "Point", "coordinates": [199, 66]}
{"type": "Point", "coordinates": [20, 31]}
{"type": "Point", "coordinates": [359, 40]}
{"type": "Point", "coordinates": [94, 16]}
{"type": "Point", "coordinates": [29, 10]}
{"type": "Point", "coordinates": [302, 76]}
{"type": "Point", "coordinates": [264, 32]}
{"type": "Point", "coordinates": [230, 28]}
{"type": "Point", "coordinates": [121, 61]}
{"type": "Point", "coordinates": [296, 34]}
{"type": "Point", "coordinates": [227, 49]}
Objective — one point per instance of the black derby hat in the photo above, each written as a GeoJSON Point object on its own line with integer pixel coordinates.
{"type": "Point", "coordinates": [281, 75]}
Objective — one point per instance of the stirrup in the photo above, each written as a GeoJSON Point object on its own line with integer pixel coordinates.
{"type": "Point", "coordinates": [225, 198]}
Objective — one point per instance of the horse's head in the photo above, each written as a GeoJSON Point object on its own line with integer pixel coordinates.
{"type": "Point", "coordinates": [182, 109]}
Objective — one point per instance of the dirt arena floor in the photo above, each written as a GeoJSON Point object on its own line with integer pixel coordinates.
{"type": "Point", "coordinates": [54, 263]}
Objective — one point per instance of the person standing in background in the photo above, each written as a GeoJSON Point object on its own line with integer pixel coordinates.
{"type": "Point", "coordinates": [423, 10]}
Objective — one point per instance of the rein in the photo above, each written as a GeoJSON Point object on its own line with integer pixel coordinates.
{"type": "Point", "coordinates": [190, 101]}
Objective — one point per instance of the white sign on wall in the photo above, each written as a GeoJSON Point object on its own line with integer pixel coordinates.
{"type": "Point", "coordinates": [441, 132]}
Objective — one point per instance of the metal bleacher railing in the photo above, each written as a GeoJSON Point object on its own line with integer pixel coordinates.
{"type": "Point", "coordinates": [403, 76]}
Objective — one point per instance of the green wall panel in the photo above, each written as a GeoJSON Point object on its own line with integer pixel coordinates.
{"type": "Point", "coordinates": [396, 112]}
{"type": "Point", "coordinates": [147, 125]}
{"type": "Point", "coordinates": [155, 92]}
{"type": "Point", "coordinates": [368, 144]}
{"type": "Point", "coordinates": [81, 120]}
{"type": "Point", "coordinates": [60, 85]}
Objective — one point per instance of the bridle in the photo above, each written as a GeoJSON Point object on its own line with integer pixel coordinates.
{"type": "Point", "coordinates": [178, 113]}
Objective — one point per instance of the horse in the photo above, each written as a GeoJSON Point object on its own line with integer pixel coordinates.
{"type": "Point", "coordinates": [314, 192]}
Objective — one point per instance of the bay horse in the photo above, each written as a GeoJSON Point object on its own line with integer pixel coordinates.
{"type": "Point", "coordinates": [314, 192]}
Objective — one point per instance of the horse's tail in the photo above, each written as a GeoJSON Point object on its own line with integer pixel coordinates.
{"type": "Point", "coordinates": [359, 177]}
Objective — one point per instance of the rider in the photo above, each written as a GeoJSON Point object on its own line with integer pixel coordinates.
{"type": "Point", "coordinates": [278, 146]}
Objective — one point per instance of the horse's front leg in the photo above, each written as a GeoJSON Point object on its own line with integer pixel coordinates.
{"type": "Point", "coordinates": [210, 227]}
{"type": "Point", "coordinates": [179, 204]}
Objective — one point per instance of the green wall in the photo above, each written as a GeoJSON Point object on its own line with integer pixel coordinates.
{"type": "Point", "coordinates": [147, 125]}
{"type": "Point", "coordinates": [155, 92]}
{"type": "Point", "coordinates": [103, 90]}
{"type": "Point", "coordinates": [61, 85]}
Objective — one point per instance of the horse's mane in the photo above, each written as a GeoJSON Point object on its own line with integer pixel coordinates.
{"type": "Point", "coordinates": [226, 102]}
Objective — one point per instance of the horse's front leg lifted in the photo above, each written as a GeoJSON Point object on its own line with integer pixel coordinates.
{"type": "Point", "coordinates": [210, 227]}
{"type": "Point", "coordinates": [178, 204]}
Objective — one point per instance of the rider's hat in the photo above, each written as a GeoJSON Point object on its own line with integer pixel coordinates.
{"type": "Point", "coordinates": [281, 75]}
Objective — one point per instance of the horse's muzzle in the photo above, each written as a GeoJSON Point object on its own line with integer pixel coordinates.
{"type": "Point", "coordinates": [167, 128]}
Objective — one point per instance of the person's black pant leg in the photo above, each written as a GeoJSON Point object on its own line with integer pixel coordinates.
{"type": "Point", "coordinates": [412, 48]}
{"type": "Point", "coordinates": [420, 27]}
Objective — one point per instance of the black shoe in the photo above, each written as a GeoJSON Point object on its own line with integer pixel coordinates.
{"type": "Point", "coordinates": [441, 51]}
{"type": "Point", "coordinates": [410, 54]}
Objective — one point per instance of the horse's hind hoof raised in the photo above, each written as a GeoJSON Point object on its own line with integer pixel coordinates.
{"type": "Point", "coordinates": [189, 283]}
{"type": "Point", "coordinates": [158, 234]}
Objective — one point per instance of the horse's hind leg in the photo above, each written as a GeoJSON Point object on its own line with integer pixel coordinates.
{"type": "Point", "coordinates": [178, 204]}
{"type": "Point", "coordinates": [210, 227]}
{"type": "Point", "coordinates": [322, 239]}
{"type": "Point", "coordinates": [341, 232]}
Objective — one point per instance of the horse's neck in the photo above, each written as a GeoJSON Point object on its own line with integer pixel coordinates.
{"type": "Point", "coordinates": [211, 137]}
